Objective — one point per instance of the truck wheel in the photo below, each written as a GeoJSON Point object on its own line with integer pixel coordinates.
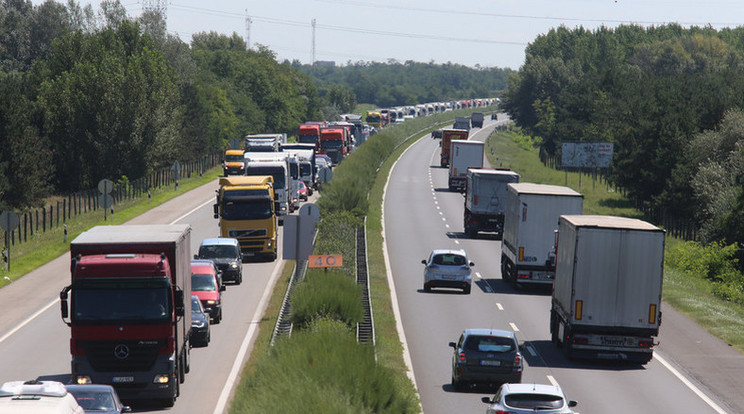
{"type": "Point", "coordinates": [187, 357]}
{"type": "Point", "coordinates": [567, 349]}
{"type": "Point", "coordinates": [553, 327]}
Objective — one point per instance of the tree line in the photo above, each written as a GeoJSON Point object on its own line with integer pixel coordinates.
{"type": "Point", "coordinates": [396, 84]}
{"type": "Point", "coordinates": [86, 95]}
{"type": "Point", "coordinates": [669, 98]}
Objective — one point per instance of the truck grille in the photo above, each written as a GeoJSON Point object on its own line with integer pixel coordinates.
{"type": "Point", "coordinates": [136, 355]}
{"type": "Point", "coordinates": [247, 233]}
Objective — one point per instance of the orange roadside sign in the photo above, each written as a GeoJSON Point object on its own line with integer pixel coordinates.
{"type": "Point", "coordinates": [325, 260]}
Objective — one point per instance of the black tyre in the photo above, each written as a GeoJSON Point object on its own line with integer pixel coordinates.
{"type": "Point", "coordinates": [457, 385]}
{"type": "Point", "coordinates": [239, 280]}
{"type": "Point", "coordinates": [427, 288]}
{"type": "Point", "coordinates": [466, 290]}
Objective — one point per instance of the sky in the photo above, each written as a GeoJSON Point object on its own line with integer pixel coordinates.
{"type": "Point", "coordinates": [472, 33]}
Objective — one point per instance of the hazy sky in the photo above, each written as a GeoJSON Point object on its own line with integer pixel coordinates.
{"type": "Point", "coordinates": [487, 33]}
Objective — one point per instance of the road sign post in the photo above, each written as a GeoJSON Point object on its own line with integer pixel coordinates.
{"type": "Point", "coordinates": [9, 221]}
{"type": "Point", "coordinates": [105, 187]}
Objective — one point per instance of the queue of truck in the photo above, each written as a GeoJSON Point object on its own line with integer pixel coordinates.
{"type": "Point", "coordinates": [605, 272]}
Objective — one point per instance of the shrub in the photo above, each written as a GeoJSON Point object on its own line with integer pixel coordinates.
{"type": "Point", "coordinates": [713, 261]}
{"type": "Point", "coordinates": [322, 370]}
{"type": "Point", "coordinates": [327, 295]}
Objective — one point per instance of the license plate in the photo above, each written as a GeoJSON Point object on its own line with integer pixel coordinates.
{"type": "Point", "coordinates": [119, 380]}
{"type": "Point", "coordinates": [490, 363]}
{"type": "Point", "coordinates": [450, 277]}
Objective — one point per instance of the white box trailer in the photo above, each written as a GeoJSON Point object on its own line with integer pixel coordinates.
{"type": "Point", "coordinates": [530, 223]}
{"type": "Point", "coordinates": [485, 200]}
{"type": "Point", "coordinates": [464, 155]}
{"type": "Point", "coordinates": [607, 290]}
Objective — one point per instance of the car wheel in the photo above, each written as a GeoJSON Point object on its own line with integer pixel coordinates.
{"type": "Point", "coordinates": [240, 278]}
{"type": "Point", "coordinates": [457, 385]}
{"type": "Point", "coordinates": [466, 290]}
{"type": "Point", "coordinates": [427, 288]}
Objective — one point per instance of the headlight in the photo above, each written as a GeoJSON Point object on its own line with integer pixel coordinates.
{"type": "Point", "coordinates": [161, 379]}
{"type": "Point", "coordinates": [211, 302]}
{"type": "Point", "coordinates": [82, 380]}
{"type": "Point", "coordinates": [234, 265]}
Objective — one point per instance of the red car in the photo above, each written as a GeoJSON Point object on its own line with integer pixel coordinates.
{"type": "Point", "coordinates": [206, 285]}
{"type": "Point", "coordinates": [303, 191]}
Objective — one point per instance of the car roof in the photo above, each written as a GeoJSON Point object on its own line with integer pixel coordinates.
{"type": "Point", "coordinates": [220, 240]}
{"type": "Point", "coordinates": [526, 388]}
{"type": "Point", "coordinates": [89, 387]}
{"type": "Point", "coordinates": [489, 332]}
{"type": "Point", "coordinates": [202, 262]}
{"type": "Point", "coordinates": [449, 251]}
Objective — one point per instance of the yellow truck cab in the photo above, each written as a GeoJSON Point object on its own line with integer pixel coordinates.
{"type": "Point", "coordinates": [245, 208]}
{"type": "Point", "coordinates": [234, 162]}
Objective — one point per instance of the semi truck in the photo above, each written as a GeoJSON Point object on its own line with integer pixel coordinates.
{"type": "Point", "coordinates": [530, 223]}
{"type": "Point", "coordinates": [246, 209]}
{"type": "Point", "coordinates": [309, 134]}
{"type": "Point", "coordinates": [485, 200]}
{"type": "Point", "coordinates": [462, 123]}
{"type": "Point", "coordinates": [607, 290]}
{"type": "Point", "coordinates": [333, 143]}
{"type": "Point", "coordinates": [129, 309]}
{"type": "Point", "coordinates": [476, 120]}
{"type": "Point", "coordinates": [305, 154]}
{"type": "Point", "coordinates": [465, 154]}
{"type": "Point", "coordinates": [448, 135]}
{"type": "Point", "coordinates": [275, 164]}
{"type": "Point", "coordinates": [264, 142]}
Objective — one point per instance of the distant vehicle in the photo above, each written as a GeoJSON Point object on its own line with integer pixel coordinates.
{"type": "Point", "coordinates": [461, 123]}
{"type": "Point", "coordinates": [303, 191]}
{"type": "Point", "coordinates": [447, 136]}
{"type": "Point", "coordinates": [325, 159]}
{"type": "Point", "coordinates": [485, 200]}
{"type": "Point", "coordinates": [486, 356]}
{"type": "Point", "coordinates": [200, 333]}
{"type": "Point", "coordinates": [495, 116]}
{"type": "Point", "coordinates": [98, 398]}
{"type": "Point", "coordinates": [225, 253]}
{"type": "Point", "coordinates": [529, 399]}
{"type": "Point", "coordinates": [234, 163]}
{"type": "Point", "coordinates": [206, 286]}
{"type": "Point", "coordinates": [264, 142]}
{"type": "Point", "coordinates": [464, 154]}
{"type": "Point", "coordinates": [476, 120]}
{"type": "Point", "coordinates": [437, 133]}
{"type": "Point", "coordinates": [37, 397]}
{"type": "Point", "coordinates": [606, 300]}
{"type": "Point", "coordinates": [448, 269]}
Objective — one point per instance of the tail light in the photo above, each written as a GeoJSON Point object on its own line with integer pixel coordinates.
{"type": "Point", "coordinates": [580, 341]}
{"type": "Point", "coordinates": [646, 343]}
{"type": "Point", "coordinates": [462, 357]}
{"type": "Point", "coordinates": [523, 276]}
{"type": "Point", "coordinates": [518, 363]}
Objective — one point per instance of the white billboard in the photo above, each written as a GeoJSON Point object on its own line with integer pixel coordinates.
{"type": "Point", "coordinates": [587, 154]}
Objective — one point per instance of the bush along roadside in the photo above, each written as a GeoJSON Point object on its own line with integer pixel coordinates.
{"type": "Point", "coordinates": [321, 365]}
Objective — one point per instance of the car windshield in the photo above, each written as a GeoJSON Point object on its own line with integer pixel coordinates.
{"type": "Point", "coordinates": [448, 259]}
{"type": "Point", "coordinates": [216, 251]}
{"type": "Point", "coordinates": [489, 344]}
{"type": "Point", "coordinates": [196, 305]}
{"type": "Point", "coordinates": [534, 401]}
{"type": "Point", "coordinates": [203, 283]}
{"type": "Point", "coordinates": [94, 400]}
{"type": "Point", "coordinates": [234, 158]}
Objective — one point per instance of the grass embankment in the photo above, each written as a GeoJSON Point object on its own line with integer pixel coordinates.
{"type": "Point", "coordinates": [688, 292]}
{"type": "Point", "coordinates": [320, 365]}
{"type": "Point", "coordinates": [44, 247]}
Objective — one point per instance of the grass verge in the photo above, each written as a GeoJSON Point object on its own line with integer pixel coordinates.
{"type": "Point", "coordinates": [46, 246]}
{"type": "Point", "coordinates": [689, 294]}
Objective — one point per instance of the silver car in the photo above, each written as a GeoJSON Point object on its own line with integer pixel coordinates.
{"type": "Point", "coordinates": [529, 399]}
{"type": "Point", "coordinates": [448, 269]}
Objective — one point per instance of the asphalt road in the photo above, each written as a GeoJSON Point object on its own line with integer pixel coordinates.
{"type": "Point", "coordinates": [692, 372]}
{"type": "Point", "coordinates": [34, 342]}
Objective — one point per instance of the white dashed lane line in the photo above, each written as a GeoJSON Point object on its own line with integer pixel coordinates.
{"type": "Point", "coordinates": [498, 305]}
{"type": "Point", "coordinates": [514, 327]}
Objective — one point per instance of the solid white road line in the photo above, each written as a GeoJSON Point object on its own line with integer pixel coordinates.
{"type": "Point", "coordinates": [689, 384]}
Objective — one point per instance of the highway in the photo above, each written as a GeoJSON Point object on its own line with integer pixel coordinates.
{"type": "Point", "coordinates": [34, 342]}
{"type": "Point", "coordinates": [421, 214]}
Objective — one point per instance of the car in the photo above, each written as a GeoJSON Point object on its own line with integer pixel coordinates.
{"type": "Point", "coordinates": [200, 334]}
{"type": "Point", "coordinates": [327, 159]}
{"type": "Point", "coordinates": [37, 397]}
{"type": "Point", "coordinates": [529, 398]}
{"type": "Point", "coordinates": [226, 254]}
{"type": "Point", "coordinates": [436, 134]}
{"type": "Point", "coordinates": [448, 269]}
{"type": "Point", "coordinates": [486, 356]}
{"type": "Point", "coordinates": [98, 398]}
{"type": "Point", "coordinates": [206, 286]}
{"type": "Point", "coordinates": [303, 191]}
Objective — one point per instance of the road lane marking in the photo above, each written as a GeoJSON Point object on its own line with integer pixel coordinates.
{"type": "Point", "coordinates": [553, 381]}
{"type": "Point", "coordinates": [238, 363]}
{"type": "Point", "coordinates": [689, 384]}
{"type": "Point", "coordinates": [457, 242]}
{"type": "Point", "coordinates": [447, 226]}
{"type": "Point", "coordinates": [514, 327]}
{"type": "Point", "coordinates": [498, 305]}
{"type": "Point", "coordinates": [478, 275]}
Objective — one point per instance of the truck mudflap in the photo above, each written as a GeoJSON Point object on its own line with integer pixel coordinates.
{"type": "Point", "coordinates": [134, 385]}
{"type": "Point", "coordinates": [457, 184]}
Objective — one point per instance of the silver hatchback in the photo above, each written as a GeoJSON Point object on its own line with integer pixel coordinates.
{"type": "Point", "coordinates": [448, 269]}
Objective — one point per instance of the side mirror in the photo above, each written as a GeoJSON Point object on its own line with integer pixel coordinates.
{"type": "Point", "coordinates": [64, 310]}
{"type": "Point", "coordinates": [423, 261]}
{"type": "Point", "coordinates": [472, 264]}
{"type": "Point", "coordinates": [223, 288]}
{"type": "Point", "coordinates": [196, 256]}
{"type": "Point", "coordinates": [179, 305]}
{"type": "Point", "coordinates": [216, 208]}
{"type": "Point", "coordinates": [486, 400]}
{"type": "Point", "coordinates": [572, 403]}
{"type": "Point", "coordinates": [453, 345]}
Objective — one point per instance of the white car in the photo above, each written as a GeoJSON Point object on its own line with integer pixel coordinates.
{"type": "Point", "coordinates": [448, 269]}
{"type": "Point", "coordinates": [37, 397]}
{"type": "Point", "coordinates": [529, 399]}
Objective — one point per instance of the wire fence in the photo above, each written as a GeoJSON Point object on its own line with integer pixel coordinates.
{"type": "Point", "coordinates": [54, 215]}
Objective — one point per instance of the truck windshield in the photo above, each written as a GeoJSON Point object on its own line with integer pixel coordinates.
{"type": "Point", "coordinates": [308, 139]}
{"type": "Point", "coordinates": [234, 158]}
{"type": "Point", "coordinates": [240, 208]}
{"type": "Point", "coordinates": [203, 283]}
{"type": "Point", "coordinates": [306, 169]}
{"type": "Point", "coordinates": [331, 144]}
{"type": "Point", "coordinates": [278, 173]}
{"type": "Point", "coordinates": [96, 301]}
